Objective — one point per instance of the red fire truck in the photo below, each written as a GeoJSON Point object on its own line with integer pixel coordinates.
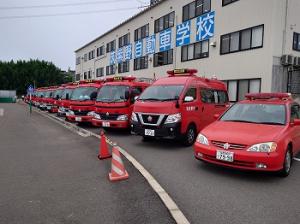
{"type": "Point", "coordinates": [52, 106]}
{"type": "Point", "coordinates": [114, 104]}
{"type": "Point", "coordinates": [40, 92]}
{"type": "Point", "coordinates": [82, 101]}
{"type": "Point", "coordinates": [64, 103]}
{"type": "Point", "coordinates": [47, 100]}
{"type": "Point", "coordinates": [178, 106]}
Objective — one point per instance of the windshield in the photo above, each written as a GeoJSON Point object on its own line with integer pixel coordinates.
{"type": "Point", "coordinates": [47, 94]}
{"type": "Point", "coordinates": [256, 113]}
{"type": "Point", "coordinates": [65, 92]}
{"type": "Point", "coordinates": [112, 94]}
{"type": "Point", "coordinates": [83, 93]}
{"type": "Point", "coordinates": [162, 93]}
{"type": "Point", "coordinates": [58, 93]}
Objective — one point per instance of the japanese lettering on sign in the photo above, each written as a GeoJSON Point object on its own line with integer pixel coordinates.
{"type": "Point", "coordinates": [128, 52]}
{"type": "Point", "coordinates": [138, 49]}
{"type": "Point", "coordinates": [165, 40]}
{"type": "Point", "coordinates": [205, 26]}
{"type": "Point", "coordinates": [120, 55]}
{"type": "Point", "coordinates": [183, 34]}
{"type": "Point", "coordinates": [112, 58]}
{"type": "Point", "coordinates": [150, 44]}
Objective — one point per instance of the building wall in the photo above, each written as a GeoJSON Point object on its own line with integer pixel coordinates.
{"type": "Point", "coordinates": [263, 63]}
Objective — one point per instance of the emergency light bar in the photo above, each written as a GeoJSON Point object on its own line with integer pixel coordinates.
{"type": "Point", "coordinates": [120, 78]}
{"type": "Point", "coordinates": [182, 71]}
{"type": "Point", "coordinates": [266, 96]}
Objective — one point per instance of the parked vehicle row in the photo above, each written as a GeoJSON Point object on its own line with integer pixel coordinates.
{"type": "Point", "coordinates": [259, 133]}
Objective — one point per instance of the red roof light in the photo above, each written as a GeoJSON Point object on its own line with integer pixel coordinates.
{"type": "Point", "coordinates": [266, 96]}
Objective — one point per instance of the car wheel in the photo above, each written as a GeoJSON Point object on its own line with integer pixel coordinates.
{"type": "Point", "coordinates": [190, 136]}
{"type": "Point", "coordinates": [287, 164]}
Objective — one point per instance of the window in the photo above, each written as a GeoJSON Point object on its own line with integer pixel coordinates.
{"type": "Point", "coordinates": [78, 61]}
{"type": "Point", "coordinates": [100, 51]}
{"type": "Point", "coordinates": [295, 112]}
{"type": "Point", "coordinates": [91, 55]}
{"type": "Point", "coordinates": [195, 8]}
{"type": "Point", "coordinates": [89, 74]}
{"type": "Point", "coordinates": [222, 97]}
{"type": "Point", "coordinates": [247, 39]}
{"type": "Point", "coordinates": [192, 92]}
{"type": "Point", "coordinates": [99, 72]}
{"type": "Point", "coordinates": [163, 58]}
{"type": "Point", "coordinates": [141, 32]}
{"type": "Point", "coordinates": [85, 57]}
{"type": "Point", "coordinates": [164, 22]}
{"type": "Point", "coordinates": [237, 89]}
{"type": "Point", "coordinates": [195, 51]}
{"type": "Point", "coordinates": [85, 75]}
{"type": "Point", "coordinates": [111, 46]}
{"type": "Point", "coordinates": [296, 42]}
{"type": "Point", "coordinates": [110, 70]}
{"type": "Point", "coordinates": [141, 63]}
{"type": "Point", "coordinates": [227, 2]}
{"type": "Point", "coordinates": [124, 40]}
{"type": "Point", "coordinates": [208, 96]}
{"type": "Point", "coordinates": [123, 67]}
{"type": "Point", "coordinates": [77, 77]}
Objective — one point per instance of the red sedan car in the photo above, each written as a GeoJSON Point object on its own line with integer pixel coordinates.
{"type": "Point", "coordinates": [259, 133]}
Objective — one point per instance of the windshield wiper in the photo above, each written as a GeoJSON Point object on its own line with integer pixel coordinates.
{"type": "Point", "coordinates": [271, 123]}
{"type": "Point", "coordinates": [150, 99]}
{"type": "Point", "coordinates": [168, 100]}
{"type": "Point", "coordinates": [242, 121]}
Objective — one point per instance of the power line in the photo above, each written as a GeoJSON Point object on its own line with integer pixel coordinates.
{"type": "Point", "coordinates": [66, 14]}
{"type": "Point", "coordinates": [59, 5]}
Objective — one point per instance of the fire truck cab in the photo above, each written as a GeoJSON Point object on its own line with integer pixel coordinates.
{"type": "Point", "coordinates": [63, 103]}
{"type": "Point", "coordinates": [53, 104]}
{"type": "Point", "coordinates": [178, 106]}
{"type": "Point", "coordinates": [82, 101]}
{"type": "Point", "coordinates": [114, 103]}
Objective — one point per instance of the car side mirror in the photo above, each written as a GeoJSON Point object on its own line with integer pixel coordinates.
{"type": "Point", "coordinates": [67, 96]}
{"type": "Point", "coordinates": [127, 95]}
{"type": "Point", "coordinates": [217, 116]}
{"type": "Point", "coordinates": [93, 95]}
{"type": "Point", "coordinates": [296, 122]}
{"type": "Point", "coordinates": [188, 99]}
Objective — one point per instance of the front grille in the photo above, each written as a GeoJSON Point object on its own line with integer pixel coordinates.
{"type": "Point", "coordinates": [150, 119]}
{"type": "Point", "coordinates": [81, 113]}
{"type": "Point", "coordinates": [111, 117]}
{"type": "Point", "coordinates": [231, 145]}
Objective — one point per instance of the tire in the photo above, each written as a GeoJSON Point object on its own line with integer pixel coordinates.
{"type": "Point", "coordinates": [190, 136]}
{"type": "Point", "coordinates": [287, 163]}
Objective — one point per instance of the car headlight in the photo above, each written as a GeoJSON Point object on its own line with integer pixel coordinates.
{"type": "Point", "coordinates": [62, 109]}
{"type": "Point", "coordinates": [134, 117]}
{"type": "Point", "coordinates": [263, 147]}
{"type": "Point", "coordinates": [202, 139]}
{"type": "Point", "coordinates": [173, 118]}
{"type": "Point", "coordinates": [122, 118]}
{"type": "Point", "coordinates": [70, 112]}
{"type": "Point", "coordinates": [91, 114]}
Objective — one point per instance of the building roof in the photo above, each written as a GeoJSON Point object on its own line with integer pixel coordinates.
{"type": "Point", "coordinates": [123, 23]}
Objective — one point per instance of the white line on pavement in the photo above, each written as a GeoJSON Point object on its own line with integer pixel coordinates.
{"type": "Point", "coordinates": [174, 210]}
{"type": "Point", "coordinates": [296, 159]}
{"type": "Point", "coordinates": [1, 112]}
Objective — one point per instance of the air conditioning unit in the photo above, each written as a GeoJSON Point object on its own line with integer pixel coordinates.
{"type": "Point", "coordinates": [297, 61]}
{"type": "Point", "coordinates": [287, 60]}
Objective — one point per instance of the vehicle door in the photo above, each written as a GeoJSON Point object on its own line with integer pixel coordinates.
{"type": "Point", "coordinates": [190, 108]}
{"type": "Point", "coordinates": [222, 102]}
{"type": "Point", "coordinates": [208, 107]}
{"type": "Point", "coordinates": [295, 114]}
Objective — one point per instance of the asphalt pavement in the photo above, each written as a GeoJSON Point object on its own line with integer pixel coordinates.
{"type": "Point", "coordinates": [216, 195]}
{"type": "Point", "coordinates": [51, 175]}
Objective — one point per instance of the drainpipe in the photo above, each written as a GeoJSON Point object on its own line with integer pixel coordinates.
{"type": "Point", "coordinates": [285, 26]}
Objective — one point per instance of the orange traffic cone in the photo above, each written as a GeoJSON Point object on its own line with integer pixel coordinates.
{"type": "Point", "coordinates": [118, 171]}
{"type": "Point", "coordinates": [103, 150]}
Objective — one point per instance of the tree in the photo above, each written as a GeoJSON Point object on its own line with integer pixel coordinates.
{"type": "Point", "coordinates": [19, 75]}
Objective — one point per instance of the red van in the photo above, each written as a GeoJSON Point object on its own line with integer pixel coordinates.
{"type": "Point", "coordinates": [82, 101]}
{"type": "Point", "coordinates": [39, 94]}
{"type": "Point", "coordinates": [64, 102]}
{"type": "Point", "coordinates": [114, 104]}
{"type": "Point", "coordinates": [178, 106]}
{"type": "Point", "coordinates": [52, 106]}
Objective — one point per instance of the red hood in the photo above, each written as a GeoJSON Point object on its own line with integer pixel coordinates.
{"type": "Point", "coordinates": [82, 103]}
{"type": "Point", "coordinates": [242, 133]}
{"type": "Point", "coordinates": [113, 108]}
{"type": "Point", "coordinates": [155, 107]}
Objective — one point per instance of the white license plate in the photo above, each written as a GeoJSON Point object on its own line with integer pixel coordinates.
{"type": "Point", "coordinates": [106, 124]}
{"type": "Point", "coordinates": [78, 119]}
{"type": "Point", "coordinates": [225, 156]}
{"type": "Point", "coordinates": [149, 132]}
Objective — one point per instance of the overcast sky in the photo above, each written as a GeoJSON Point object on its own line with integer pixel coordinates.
{"type": "Point", "coordinates": [55, 38]}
